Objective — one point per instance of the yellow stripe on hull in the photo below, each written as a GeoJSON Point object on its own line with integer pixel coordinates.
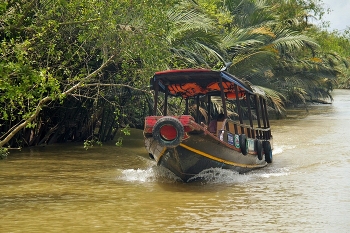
{"type": "Point", "coordinates": [221, 160]}
{"type": "Point", "coordinates": [161, 154]}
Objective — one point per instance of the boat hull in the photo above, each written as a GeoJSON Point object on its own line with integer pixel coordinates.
{"type": "Point", "coordinates": [200, 151]}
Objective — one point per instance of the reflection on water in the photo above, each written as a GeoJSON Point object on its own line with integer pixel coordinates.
{"type": "Point", "coordinates": [63, 188]}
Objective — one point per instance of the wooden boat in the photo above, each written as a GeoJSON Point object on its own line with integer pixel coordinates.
{"type": "Point", "coordinates": [184, 145]}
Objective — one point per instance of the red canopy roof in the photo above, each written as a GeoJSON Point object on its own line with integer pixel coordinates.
{"type": "Point", "coordinates": [192, 82]}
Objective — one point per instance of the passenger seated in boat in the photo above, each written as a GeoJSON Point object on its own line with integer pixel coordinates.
{"type": "Point", "coordinates": [213, 123]}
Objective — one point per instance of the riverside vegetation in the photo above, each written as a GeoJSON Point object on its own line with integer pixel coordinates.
{"type": "Point", "coordinates": [79, 70]}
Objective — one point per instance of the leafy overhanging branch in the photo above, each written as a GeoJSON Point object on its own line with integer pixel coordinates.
{"type": "Point", "coordinates": [47, 99]}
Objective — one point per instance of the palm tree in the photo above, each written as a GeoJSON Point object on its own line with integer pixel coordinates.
{"type": "Point", "coordinates": [273, 55]}
{"type": "Point", "coordinates": [192, 37]}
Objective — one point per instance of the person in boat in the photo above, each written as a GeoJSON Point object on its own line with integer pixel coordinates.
{"type": "Point", "coordinates": [213, 123]}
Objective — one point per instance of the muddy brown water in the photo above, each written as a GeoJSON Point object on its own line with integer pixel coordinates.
{"type": "Point", "coordinates": [64, 188]}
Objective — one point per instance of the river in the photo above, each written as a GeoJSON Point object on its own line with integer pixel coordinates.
{"type": "Point", "coordinates": [64, 188]}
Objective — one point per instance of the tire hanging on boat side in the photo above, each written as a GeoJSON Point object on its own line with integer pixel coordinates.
{"type": "Point", "coordinates": [243, 144]}
{"type": "Point", "coordinates": [259, 149]}
{"type": "Point", "coordinates": [172, 122]}
{"type": "Point", "coordinates": [151, 156]}
{"type": "Point", "coordinates": [267, 151]}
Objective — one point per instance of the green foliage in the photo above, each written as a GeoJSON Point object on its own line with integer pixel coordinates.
{"type": "Point", "coordinates": [297, 14]}
{"type": "Point", "coordinates": [335, 53]}
{"type": "Point", "coordinates": [270, 43]}
{"type": "Point", "coordinates": [50, 47]}
{"type": "Point", "coordinates": [88, 144]}
{"type": "Point", "coordinates": [3, 152]}
{"type": "Point", "coordinates": [22, 85]}
{"type": "Point", "coordinates": [126, 132]}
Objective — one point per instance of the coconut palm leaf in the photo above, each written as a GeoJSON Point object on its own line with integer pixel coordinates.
{"type": "Point", "coordinates": [251, 13]}
{"type": "Point", "coordinates": [275, 98]}
{"type": "Point", "coordinates": [192, 39]}
{"type": "Point", "coordinates": [287, 41]}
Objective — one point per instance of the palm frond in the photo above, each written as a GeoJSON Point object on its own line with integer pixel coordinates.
{"type": "Point", "coordinates": [184, 20]}
{"type": "Point", "coordinates": [274, 97]}
{"type": "Point", "coordinates": [247, 65]}
{"type": "Point", "coordinates": [251, 13]}
{"type": "Point", "coordinates": [291, 41]}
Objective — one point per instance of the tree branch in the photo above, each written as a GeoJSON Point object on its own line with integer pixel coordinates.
{"type": "Point", "coordinates": [115, 85]}
{"type": "Point", "coordinates": [27, 121]}
{"type": "Point", "coordinates": [81, 82]}
{"type": "Point", "coordinates": [45, 100]}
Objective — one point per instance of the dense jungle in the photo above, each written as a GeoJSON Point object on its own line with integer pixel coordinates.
{"type": "Point", "coordinates": [80, 70]}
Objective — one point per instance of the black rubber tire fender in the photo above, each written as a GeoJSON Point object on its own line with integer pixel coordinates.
{"type": "Point", "coordinates": [259, 149]}
{"type": "Point", "coordinates": [168, 121]}
{"type": "Point", "coordinates": [267, 151]}
{"type": "Point", "coordinates": [151, 156]}
{"type": "Point", "coordinates": [243, 144]}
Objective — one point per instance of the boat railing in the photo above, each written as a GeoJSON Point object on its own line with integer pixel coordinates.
{"type": "Point", "coordinates": [235, 127]}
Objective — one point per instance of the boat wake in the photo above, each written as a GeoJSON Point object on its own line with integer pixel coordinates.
{"type": "Point", "coordinates": [279, 149]}
{"type": "Point", "coordinates": [219, 176]}
{"type": "Point", "coordinates": [154, 174]}
{"type": "Point", "coordinates": [209, 176]}
{"type": "Point", "coordinates": [151, 174]}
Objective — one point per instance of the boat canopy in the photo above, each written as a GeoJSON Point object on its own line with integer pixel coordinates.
{"type": "Point", "coordinates": [192, 82]}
